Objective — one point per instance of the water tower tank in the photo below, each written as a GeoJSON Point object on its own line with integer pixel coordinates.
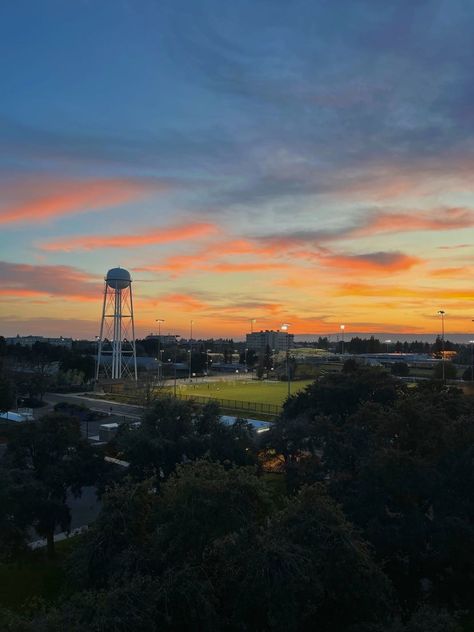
{"type": "Point", "coordinates": [118, 278]}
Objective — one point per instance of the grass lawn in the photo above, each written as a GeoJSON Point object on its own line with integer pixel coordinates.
{"type": "Point", "coordinates": [258, 392]}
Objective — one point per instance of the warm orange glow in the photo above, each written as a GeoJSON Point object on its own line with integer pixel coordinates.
{"type": "Point", "coordinates": [152, 236]}
{"type": "Point", "coordinates": [437, 219]}
{"type": "Point", "coordinates": [66, 198]}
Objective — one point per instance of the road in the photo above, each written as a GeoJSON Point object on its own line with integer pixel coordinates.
{"type": "Point", "coordinates": [115, 412]}
{"type": "Point", "coordinates": [128, 411]}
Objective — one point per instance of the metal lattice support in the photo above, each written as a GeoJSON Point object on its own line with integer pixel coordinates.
{"type": "Point", "coordinates": [117, 356]}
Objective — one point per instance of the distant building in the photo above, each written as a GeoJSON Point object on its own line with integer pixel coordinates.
{"type": "Point", "coordinates": [29, 341]}
{"type": "Point", "coordinates": [166, 340]}
{"type": "Point", "coordinates": [273, 339]}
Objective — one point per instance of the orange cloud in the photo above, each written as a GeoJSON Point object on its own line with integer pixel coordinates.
{"type": "Point", "coordinates": [203, 259]}
{"type": "Point", "coordinates": [451, 272]}
{"type": "Point", "coordinates": [439, 219]}
{"type": "Point", "coordinates": [246, 267]}
{"type": "Point", "coordinates": [369, 262]}
{"type": "Point", "coordinates": [20, 292]}
{"type": "Point", "coordinates": [56, 199]}
{"type": "Point", "coordinates": [28, 281]}
{"type": "Point", "coordinates": [155, 236]}
{"type": "Point", "coordinates": [184, 301]}
{"type": "Point", "coordinates": [421, 293]}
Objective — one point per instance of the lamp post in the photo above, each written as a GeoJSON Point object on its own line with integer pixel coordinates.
{"type": "Point", "coordinates": [472, 359]}
{"type": "Point", "coordinates": [208, 351]}
{"type": "Point", "coordinates": [387, 342]}
{"type": "Point", "coordinates": [342, 328]}
{"type": "Point", "coordinates": [174, 362]}
{"type": "Point", "coordinates": [159, 321]}
{"type": "Point", "coordinates": [191, 322]}
{"type": "Point", "coordinates": [472, 356]}
{"type": "Point", "coordinates": [96, 358]}
{"type": "Point", "coordinates": [441, 313]}
{"type": "Point", "coordinates": [284, 328]}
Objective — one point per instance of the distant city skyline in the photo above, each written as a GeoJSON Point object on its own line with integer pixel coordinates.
{"type": "Point", "coordinates": [307, 163]}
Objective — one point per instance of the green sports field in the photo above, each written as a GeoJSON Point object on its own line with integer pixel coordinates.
{"type": "Point", "coordinates": [252, 391]}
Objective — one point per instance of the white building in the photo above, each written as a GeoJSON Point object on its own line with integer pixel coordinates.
{"type": "Point", "coordinates": [29, 341]}
{"type": "Point", "coordinates": [275, 340]}
{"type": "Point", "coordinates": [165, 340]}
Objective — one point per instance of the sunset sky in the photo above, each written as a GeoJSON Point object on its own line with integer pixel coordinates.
{"type": "Point", "coordinates": [308, 162]}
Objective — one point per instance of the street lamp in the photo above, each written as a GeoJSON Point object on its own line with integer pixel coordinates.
{"type": "Point", "coordinates": [441, 313]}
{"type": "Point", "coordinates": [387, 342]}
{"type": "Point", "coordinates": [96, 358]}
{"type": "Point", "coordinates": [159, 321]}
{"type": "Point", "coordinates": [284, 328]}
{"type": "Point", "coordinates": [472, 356]}
{"type": "Point", "coordinates": [208, 351]}
{"type": "Point", "coordinates": [342, 327]}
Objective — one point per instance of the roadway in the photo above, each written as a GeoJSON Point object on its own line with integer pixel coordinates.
{"type": "Point", "coordinates": [127, 411]}
{"type": "Point", "coordinates": [116, 412]}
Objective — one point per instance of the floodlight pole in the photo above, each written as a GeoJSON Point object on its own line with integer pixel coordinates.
{"type": "Point", "coordinates": [190, 347]}
{"type": "Point", "coordinates": [284, 328]}
{"type": "Point", "coordinates": [441, 312]}
{"type": "Point", "coordinates": [472, 356]}
{"type": "Point", "coordinates": [159, 321]}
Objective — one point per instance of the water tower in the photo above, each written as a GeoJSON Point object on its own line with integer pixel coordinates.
{"type": "Point", "coordinates": [117, 356]}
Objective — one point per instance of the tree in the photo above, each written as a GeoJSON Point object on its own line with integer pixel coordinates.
{"type": "Point", "coordinates": [119, 542]}
{"type": "Point", "coordinates": [84, 364]}
{"type": "Point", "coordinates": [251, 357]}
{"type": "Point", "coordinates": [350, 366]}
{"type": "Point", "coordinates": [177, 431]}
{"type": "Point", "coordinates": [468, 374]}
{"type": "Point", "coordinates": [59, 459]}
{"type": "Point", "coordinates": [400, 368]}
{"type": "Point", "coordinates": [7, 394]}
{"type": "Point", "coordinates": [18, 494]}
{"type": "Point", "coordinates": [397, 459]}
{"type": "Point", "coordinates": [205, 501]}
{"type": "Point", "coordinates": [446, 370]}
{"type": "Point", "coordinates": [306, 564]}
{"type": "Point", "coordinates": [142, 532]}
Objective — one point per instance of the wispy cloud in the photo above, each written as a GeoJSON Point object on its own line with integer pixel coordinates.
{"type": "Point", "coordinates": [436, 220]}
{"type": "Point", "coordinates": [183, 301]}
{"type": "Point", "coordinates": [152, 236]}
{"type": "Point", "coordinates": [369, 262]}
{"type": "Point", "coordinates": [460, 273]}
{"type": "Point", "coordinates": [420, 293]}
{"type": "Point", "coordinates": [39, 201]}
{"type": "Point", "coordinates": [215, 258]}
{"type": "Point", "coordinates": [27, 281]}
{"type": "Point", "coordinates": [378, 221]}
